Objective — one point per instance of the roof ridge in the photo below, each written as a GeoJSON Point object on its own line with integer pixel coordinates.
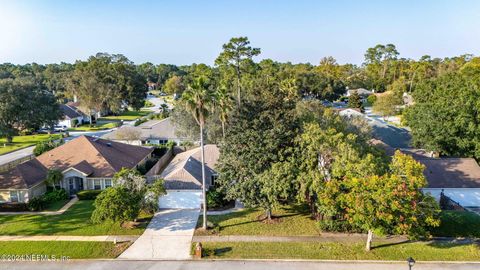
{"type": "Point", "coordinates": [96, 149]}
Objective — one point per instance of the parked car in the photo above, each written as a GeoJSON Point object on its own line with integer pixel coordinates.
{"type": "Point", "coordinates": [60, 128]}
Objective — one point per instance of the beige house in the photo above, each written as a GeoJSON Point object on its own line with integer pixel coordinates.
{"type": "Point", "coordinates": [85, 162]}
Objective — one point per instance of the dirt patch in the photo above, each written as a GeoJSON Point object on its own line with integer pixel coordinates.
{"type": "Point", "coordinates": [119, 249]}
{"type": "Point", "coordinates": [132, 224]}
{"type": "Point", "coordinates": [274, 220]}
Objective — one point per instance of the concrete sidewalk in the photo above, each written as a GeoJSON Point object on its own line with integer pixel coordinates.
{"type": "Point", "coordinates": [96, 238]}
{"type": "Point", "coordinates": [58, 212]}
{"type": "Point", "coordinates": [168, 236]}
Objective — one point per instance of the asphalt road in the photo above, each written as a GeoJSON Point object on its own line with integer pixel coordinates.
{"type": "Point", "coordinates": [232, 265]}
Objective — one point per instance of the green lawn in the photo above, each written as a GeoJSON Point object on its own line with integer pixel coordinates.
{"type": "Point", "coordinates": [95, 127]}
{"type": "Point", "coordinates": [75, 221]}
{"type": "Point", "coordinates": [148, 104]}
{"type": "Point", "coordinates": [422, 251]}
{"type": "Point", "coordinates": [72, 249]}
{"type": "Point", "coordinates": [55, 206]}
{"type": "Point", "coordinates": [458, 224]}
{"type": "Point", "coordinates": [293, 221]}
{"type": "Point", "coordinates": [20, 142]}
{"type": "Point", "coordinates": [127, 116]}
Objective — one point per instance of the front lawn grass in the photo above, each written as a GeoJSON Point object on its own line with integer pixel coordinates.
{"type": "Point", "coordinates": [20, 142]}
{"type": "Point", "coordinates": [55, 206]}
{"type": "Point", "coordinates": [75, 221]}
{"type": "Point", "coordinates": [95, 127]}
{"type": "Point", "coordinates": [127, 116]}
{"type": "Point", "coordinates": [422, 251]}
{"type": "Point", "coordinates": [289, 221]}
{"type": "Point", "coordinates": [458, 224]}
{"type": "Point", "coordinates": [72, 249]}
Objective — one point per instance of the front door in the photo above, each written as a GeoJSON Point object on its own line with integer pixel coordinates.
{"type": "Point", "coordinates": [79, 183]}
{"type": "Point", "coordinates": [71, 186]}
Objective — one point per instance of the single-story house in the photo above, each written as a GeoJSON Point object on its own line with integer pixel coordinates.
{"type": "Point", "coordinates": [151, 132]}
{"type": "Point", "coordinates": [93, 114]}
{"type": "Point", "coordinates": [71, 116]}
{"type": "Point", "coordinates": [85, 162]}
{"type": "Point", "coordinates": [350, 112]}
{"type": "Point", "coordinates": [458, 178]}
{"type": "Point", "coordinates": [183, 177]}
{"type": "Point", "coordinates": [360, 91]}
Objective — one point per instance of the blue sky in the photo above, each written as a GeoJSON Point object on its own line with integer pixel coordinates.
{"type": "Point", "coordinates": [185, 32]}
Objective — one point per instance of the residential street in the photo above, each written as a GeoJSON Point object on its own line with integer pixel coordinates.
{"type": "Point", "coordinates": [12, 156]}
{"type": "Point", "coordinates": [168, 236]}
{"type": "Point", "coordinates": [232, 265]}
{"type": "Point", "coordinates": [394, 136]}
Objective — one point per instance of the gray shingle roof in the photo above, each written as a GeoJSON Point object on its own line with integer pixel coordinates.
{"type": "Point", "coordinates": [185, 169]}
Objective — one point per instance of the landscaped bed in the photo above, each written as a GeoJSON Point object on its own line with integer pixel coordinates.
{"type": "Point", "coordinates": [422, 251]}
{"type": "Point", "coordinates": [59, 249]}
{"type": "Point", "coordinates": [75, 221]}
{"type": "Point", "coordinates": [20, 142]}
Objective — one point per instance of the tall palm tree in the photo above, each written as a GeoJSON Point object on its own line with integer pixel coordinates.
{"type": "Point", "coordinates": [224, 102]}
{"type": "Point", "coordinates": [198, 100]}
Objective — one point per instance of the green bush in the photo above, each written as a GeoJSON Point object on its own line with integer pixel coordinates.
{"type": "Point", "coordinates": [216, 199]}
{"type": "Point", "coordinates": [126, 205]}
{"type": "Point", "coordinates": [88, 194]}
{"type": "Point", "coordinates": [37, 204]}
{"type": "Point", "coordinates": [371, 99]}
{"type": "Point", "coordinates": [46, 146]}
{"type": "Point", "coordinates": [55, 196]}
{"type": "Point", "coordinates": [140, 121]}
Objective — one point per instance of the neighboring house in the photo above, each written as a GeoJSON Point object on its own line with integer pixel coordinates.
{"type": "Point", "coordinates": [86, 163]}
{"type": "Point", "coordinates": [152, 86]}
{"type": "Point", "coordinates": [71, 116]}
{"type": "Point", "coordinates": [350, 112]}
{"type": "Point", "coordinates": [151, 132]}
{"type": "Point", "coordinates": [183, 177]}
{"type": "Point", "coordinates": [458, 178]}
{"type": "Point", "coordinates": [93, 114]}
{"type": "Point", "coordinates": [360, 91]}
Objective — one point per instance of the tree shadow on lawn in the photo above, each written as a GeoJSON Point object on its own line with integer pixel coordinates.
{"type": "Point", "coordinates": [287, 211]}
{"type": "Point", "coordinates": [76, 220]}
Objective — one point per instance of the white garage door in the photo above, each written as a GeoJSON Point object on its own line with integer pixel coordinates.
{"type": "Point", "coordinates": [181, 199]}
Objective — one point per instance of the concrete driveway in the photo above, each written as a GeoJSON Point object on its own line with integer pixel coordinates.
{"type": "Point", "coordinates": [168, 236]}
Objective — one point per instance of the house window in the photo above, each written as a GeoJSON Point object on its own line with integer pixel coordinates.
{"type": "Point", "coordinates": [13, 196]}
{"type": "Point", "coordinates": [108, 183]}
{"type": "Point", "coordinates": [213, 179]}
{"type": "Point", "coordinates": [97, 184]}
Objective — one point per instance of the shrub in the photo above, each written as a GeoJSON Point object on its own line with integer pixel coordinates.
{"type": "Point", "coordinates": [45, 146]}
{"type": "Point", "coordinates": [127, 205]}
{"type": "Point", "coordinates": [216, 199]}
{"type": "Point", "coordinates": [13, 207]}
{"type": "Point", "coordinates": [56, 196]}
{"type": "Point", "coordinates": [140, 121]}
{"type": "Point", "coordinates": [88, 194]}
{"type": "Point", "coordinates": [371, 99]}
{"type": "Point", "coordinates": [37, 204]}
{"type": "Point", "coordinates": [75, 122]}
